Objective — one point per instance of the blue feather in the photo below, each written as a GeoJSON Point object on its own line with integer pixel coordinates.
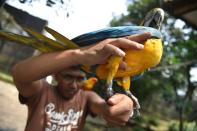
{"type": "Point", "coordinates": [113, 32]}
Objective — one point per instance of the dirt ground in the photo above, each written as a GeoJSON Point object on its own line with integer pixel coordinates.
{"type": "Point", "coordinates": [12, 113]}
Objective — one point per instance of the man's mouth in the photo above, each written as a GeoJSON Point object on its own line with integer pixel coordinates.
{"type": "Point", "coordinates": [71, 91]}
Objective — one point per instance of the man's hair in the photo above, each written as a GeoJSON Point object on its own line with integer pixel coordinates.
{"type": "Point", "coordinates": [76, 67]}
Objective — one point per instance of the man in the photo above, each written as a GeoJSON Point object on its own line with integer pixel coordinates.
{"type": "Point", "coordinates": [65, 107]}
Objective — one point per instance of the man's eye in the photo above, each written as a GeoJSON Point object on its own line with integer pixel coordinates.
{"type": "Point", "coordinates": [80, 79]}
{"type": "Point", "coordinates": [67, 77]}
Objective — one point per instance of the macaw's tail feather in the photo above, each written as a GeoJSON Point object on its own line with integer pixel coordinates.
{"type": "Point", "coordinates": [16, 38]}
{"type": "Point", "coordinates": [49, 42]}
{"type": "Point", "coordinates": [62, 39]}
{"type": "Point", "coordinates": [24, 40]}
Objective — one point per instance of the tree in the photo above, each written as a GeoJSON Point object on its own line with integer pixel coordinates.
{"type": "Point", "coordinates": [170, 80]}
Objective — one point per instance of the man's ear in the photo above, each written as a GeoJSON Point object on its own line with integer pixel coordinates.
{"type": "Point", "coordinates": [54, 80]}
{"type": "Point", "coordinates": [55, 76]}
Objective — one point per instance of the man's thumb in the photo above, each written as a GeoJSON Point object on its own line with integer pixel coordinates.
{"type": "Point", "coordinates": [115, 99]}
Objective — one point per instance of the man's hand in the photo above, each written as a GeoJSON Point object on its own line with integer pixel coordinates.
{"type": "Point", "coordinates": [119, 109]}
{"type": "Point", "coordinates": [99, 53]}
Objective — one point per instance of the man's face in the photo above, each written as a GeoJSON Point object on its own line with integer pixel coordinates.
{"type": "Point", "coordinates": [69, 82]}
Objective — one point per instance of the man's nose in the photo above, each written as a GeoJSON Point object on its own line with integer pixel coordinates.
{"type": "Point", "coordinates": [74, 84]}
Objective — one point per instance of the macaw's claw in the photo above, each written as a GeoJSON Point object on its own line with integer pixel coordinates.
{"type": "Point", "coordinates": [136, 108]}
{"type": "Point", "coordinates": [109, 90]}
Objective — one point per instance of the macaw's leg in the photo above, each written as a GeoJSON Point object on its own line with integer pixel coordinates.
{"type": "Point", "coordinates": [112, 66]}
{"type": "Point", "coordinates": [125, 82]}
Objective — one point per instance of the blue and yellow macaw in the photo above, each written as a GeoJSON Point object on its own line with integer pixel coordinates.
{"type": "Point", "coordinates": [137, 61]}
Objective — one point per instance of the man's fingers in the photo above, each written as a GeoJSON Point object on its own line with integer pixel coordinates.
{"type": "Point", "coordinates": [117, 110]}
{"type": "Point", "coordinates": [115, 45]}
{"type": "Point", "coordinates": [132, 41]}
{"type": "Point", "coordinates": [117, 104]}
{"type": "Point", "coordinates": [115, 99]}
{"type": "Point", "coordinates": [126, 43]}
{"type": "Point", "coordinates": [139, 37]}
{"type": "Point", "coordinates": [113, 50]}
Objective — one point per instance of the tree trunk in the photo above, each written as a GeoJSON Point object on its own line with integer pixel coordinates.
{"type": "Point", "coordinates": [181, 119]}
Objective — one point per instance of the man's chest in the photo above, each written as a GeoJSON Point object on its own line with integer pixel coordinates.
{"type": "Point", "coordinates": [58, 118]}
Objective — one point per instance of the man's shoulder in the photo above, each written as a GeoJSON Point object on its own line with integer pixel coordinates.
{"type": "Point", "coordinates": [26, 100]}
{"type": "Point", "coordinates": [84, 93]}
{"type": "Point", "coordinates": [90, 94]}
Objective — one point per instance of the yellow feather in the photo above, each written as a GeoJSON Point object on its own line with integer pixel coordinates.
{"type": "Point", "coordinates": [89, 83]}
{"type": "Point", "coordinates": [137, 60]}
{"type": "Point", "coordinates": [49, 42]}
{"type": "Point", "coordinates": [59, 37]}
{"type": "Point", "coordinates": [24, 40]}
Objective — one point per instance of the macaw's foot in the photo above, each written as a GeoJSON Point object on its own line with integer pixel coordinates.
{"type": "Point", "coordinates": [109, 90]}
{"type": "Point", "coordinates": [136, 108]}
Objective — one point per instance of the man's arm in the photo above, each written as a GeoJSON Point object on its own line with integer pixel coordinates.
{"type": "Point", "coordinates": [116, 111]}
{"type": "Point", "coordinates": [28, 74]}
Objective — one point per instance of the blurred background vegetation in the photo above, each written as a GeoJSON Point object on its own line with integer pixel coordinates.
{"type": "Point", "coordinates": [167, 93]}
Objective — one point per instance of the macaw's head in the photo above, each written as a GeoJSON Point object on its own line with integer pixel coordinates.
{"type": "Point", "coordinates": [154, 18]}
{"type": "Point", "coordinates": [69, 81]}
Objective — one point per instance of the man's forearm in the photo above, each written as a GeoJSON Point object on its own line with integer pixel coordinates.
{"type": "Point", "coordinates": [41, 66]}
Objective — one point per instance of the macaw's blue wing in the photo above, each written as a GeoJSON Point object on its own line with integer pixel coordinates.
{"type": "Point", "coordinates": [113, 32]}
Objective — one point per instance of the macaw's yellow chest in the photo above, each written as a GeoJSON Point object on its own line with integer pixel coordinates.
{"type": "Point", "coordinates": [138, 60]}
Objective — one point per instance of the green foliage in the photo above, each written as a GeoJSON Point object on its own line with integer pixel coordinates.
{"type": "Point", "coordinates": [170, 80]}
{"type": "Point", "coordinates": [136, 11]}
{"type": "Point", "coordinates": [187, 126]}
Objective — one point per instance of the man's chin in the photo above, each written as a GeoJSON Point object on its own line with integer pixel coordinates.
{"type": "Point", "coordinates": [70, 94]}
